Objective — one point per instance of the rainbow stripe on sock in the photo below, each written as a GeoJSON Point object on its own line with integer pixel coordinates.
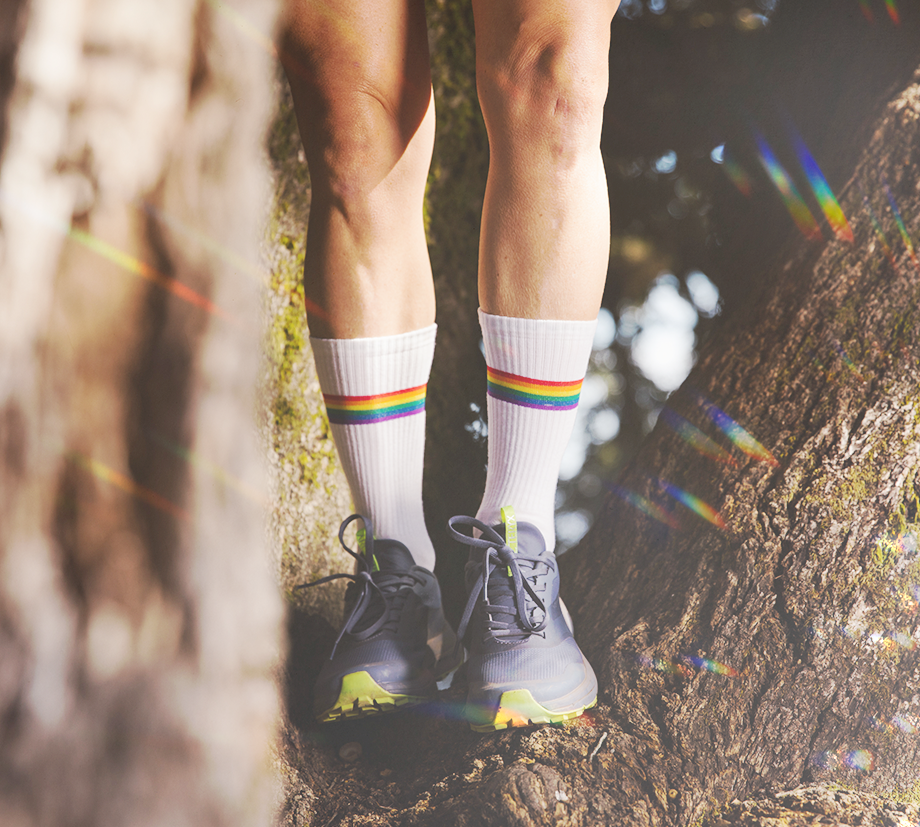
{"type": "Point", "coordinates": [360, 410]}
{"type": "Point", "coordinates": [533, 393]}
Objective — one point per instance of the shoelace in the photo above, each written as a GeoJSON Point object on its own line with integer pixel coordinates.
{"type": "Point", "coordinates": [497, 554]}
{"type": "Point", "coordinates": [389, 587]}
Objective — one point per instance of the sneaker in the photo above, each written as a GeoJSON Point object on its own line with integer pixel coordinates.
{"type": "Point", "coordinates": [524, 666]}
{"type": "Point", "coordinates": [395, 642]}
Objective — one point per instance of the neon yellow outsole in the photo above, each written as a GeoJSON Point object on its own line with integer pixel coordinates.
{"type": "Point", "coordinates": [518, 708]}
{"type": "Point", "coordinates": [361, 696]}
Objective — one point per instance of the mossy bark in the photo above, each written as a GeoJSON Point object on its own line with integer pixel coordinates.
{"type": "Point", "coordinates": [807, 596]}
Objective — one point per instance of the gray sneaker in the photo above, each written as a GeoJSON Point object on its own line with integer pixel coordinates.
{"type": "Point", "coordinates": [395, 643]}
{"type": "Point", "coordinates": [524, 666]}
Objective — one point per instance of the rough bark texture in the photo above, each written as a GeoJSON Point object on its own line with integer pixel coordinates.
{"type": "Point", "coordinates": [815, 804]}
{"type": "Point", "coordinates": [139, 620]}
{"type": "Point", "coordinates": [807, 593]}
{"type": "Point", "coordinates": [734, 661]}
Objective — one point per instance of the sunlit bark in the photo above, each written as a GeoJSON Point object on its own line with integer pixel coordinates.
{"type": "Point", "coordinates": [139, 614]}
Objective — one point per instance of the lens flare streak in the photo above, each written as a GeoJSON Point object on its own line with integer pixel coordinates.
{"type": "Point", "coordinates": [682, 665]}
{"type": "Point", "coordinates": [740, 437]}
{"type": "Point", "coordinates": [695, 504]}
{"type": "Point", "coordinates": [215, 471]}
{"type": "Point", "coordinates": [793, 201]}
{"type": "Point", "coordinates": [110, 475]}
{"type": "Point", "coordinates": [118, 257]}
{"type": "Point", "coordinates": [145, 271]}
{"type": "Point", "coordinates": [880, 233]}
{"type": "Point", "coordinates": [860, 759]}
{"type": "Point", "coordinates": [707, 665]}
{"type": "Point", "coordinates": [867, 12]}
{"type": "Point", "coordinates": [210, 244]}
{"type": "Point", "coordinates": [823, 193]}
{"type": "Point", "coordinates": [821, 366]}
{"type": "Point", "coordinates": [668, 667]}
{"type": "Point", "coordinates": [695, 438]}
{"type": "Point", "coordinates": [892, 8]}
{"type": "Point", "coordinates": [737, 175]}
{"type": "Point", "coordinates": [905, 724]}
{"type": "Point", "coordinates": [244, 26]}
{"type": "Point", "coordinates": [905, 236]}
{"type": "Point", "coordinates": [848, 361]}
{"type": "Point", "coordinates": [646, 506]}
{"type": "Point", "coordinates": [896, 639]}
{"type": "Point", "coordinates": [235, 260]}
{"type": "Point", "coordinates": [898, 723]}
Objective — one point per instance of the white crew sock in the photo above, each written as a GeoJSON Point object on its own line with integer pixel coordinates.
{"type": "Point", "coordinates": [374, 390]}
{"type": "Point", "coordinates": [536, 368]}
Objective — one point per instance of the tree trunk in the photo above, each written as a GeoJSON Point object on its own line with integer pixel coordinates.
{"type": "Point", "coordinates": [808, 594]}
{"type": "Point", "coordinates": [764, 637]}
{"type": "Point", "coordinates": [139, 619]}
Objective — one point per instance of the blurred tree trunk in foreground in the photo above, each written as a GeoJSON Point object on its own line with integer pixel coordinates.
{"type": "Point", "coordinates": [138, 614]}
{"type": "Point", "coordinates": [750, 597]}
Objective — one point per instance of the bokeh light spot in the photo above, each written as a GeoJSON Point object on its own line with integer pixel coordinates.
{"type": "Point", "coordinates": [666, 163]}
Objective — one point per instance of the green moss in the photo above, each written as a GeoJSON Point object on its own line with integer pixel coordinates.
{"type": "Point", "coordinates": [856, 486]}
{"type": "Point", "coordinates": [285, 414]}
{"type": "Point", "coordinates": [895, 795]}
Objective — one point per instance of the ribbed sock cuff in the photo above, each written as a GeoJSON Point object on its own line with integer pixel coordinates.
{"type": "Point", "coordinates": [374, 390]}
{"type": "Point", "coordinates": [536, 368]}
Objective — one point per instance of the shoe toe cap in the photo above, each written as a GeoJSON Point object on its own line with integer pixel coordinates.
{"type": "Point", "coordinates": [555, 677]}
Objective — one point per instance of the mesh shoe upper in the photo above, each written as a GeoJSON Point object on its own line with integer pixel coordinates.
{"type": "Point", "coordinates": [514, 625]}
{"type": "Point", "coordinates": [391, 606]}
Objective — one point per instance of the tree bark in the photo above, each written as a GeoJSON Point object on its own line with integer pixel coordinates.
{"type": "Point", "coordinates": [808, 593]}
{"type": "Point", "coordinates": [769, 642]}
{"type": "Point", "coordinates": [139, 619]}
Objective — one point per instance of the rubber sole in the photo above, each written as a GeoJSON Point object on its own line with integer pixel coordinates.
{"type": "Point", "coordinates": [518, 708]}
{"type": "Point", "coordinates": [361, 696]}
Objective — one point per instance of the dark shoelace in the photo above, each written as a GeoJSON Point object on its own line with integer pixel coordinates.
{"type": "Point", "coordinates": [504, 622]}
{"type": "Point", "coordinates": [390, 588]}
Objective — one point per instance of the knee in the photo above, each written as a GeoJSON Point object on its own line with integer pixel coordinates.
{"type": "Point", "coordinates": [544, 92]}
{"type": "Point", "coordinates": [357, 146]}
{"type": "Point", "coordinates": [356, 127]}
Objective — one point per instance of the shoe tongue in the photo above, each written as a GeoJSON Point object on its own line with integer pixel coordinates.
{"type": "Point", "coordinates": [391, 555]}
{"type": "Point", "coordinates": [501, 586]}
{"type": "Point", "coordinates": [529, 538]}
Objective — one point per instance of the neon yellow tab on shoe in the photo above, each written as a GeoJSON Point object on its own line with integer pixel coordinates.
{"type": "Point", "coordinates": [510, 522]}
{"type": "Point", "coordinates": [361, 537]}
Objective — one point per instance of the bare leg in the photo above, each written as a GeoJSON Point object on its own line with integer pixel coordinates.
{"type": "Point", "coordinates": [541, 68]}
{"type": "Point", "coordinates": [360, 78]}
